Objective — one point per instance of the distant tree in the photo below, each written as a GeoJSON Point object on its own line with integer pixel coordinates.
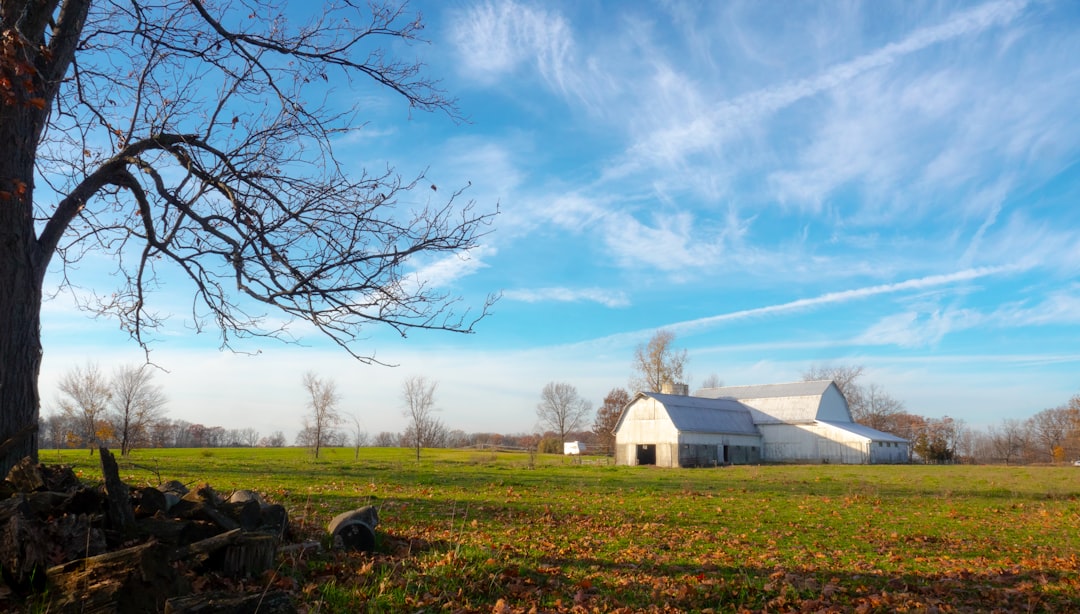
{"type": "Point", "coordinates": [248, 437]}
{"type": "Point", "coordinates": [908, 426]}
{"type": "Point", "coordinates": [162, 433]}
{"type": "Point", "coordinates": [561, 409]}
{"type": "Point", "coordinates": [385, 439]}
{"type": "Point", "coordinates": [1009, 440]}
{"type": "Point", "coordinates": [84, 398]}
{"type": "Point", "coordinates": [938, 441]}
{"type": "Point", "coordinates": [607, 416]}
{"type": "Point", "coordinates": [322, 418]}
{"type": "Point", "coordinates": [216, 436]}
{"type": "Point", "coordinates": [424, 429]}
{"type": "Point", "coordinates": [457, 438]}
{"type": "Point", "coordinates": [55, 430]}
{"type": "Point", "coordinates": [657, 363]}
{"type": "Point", "coordinates": [1051, 429]}
{"type": "Point", "coordinates": [360, 437]}
{"type": "Point", "coordinates": [137, 403]}
{"type": "Point", "coordinates": [712, 381]}
{"type": "Point", "coordinates": [879, 410]}
{"type": "Point", "coordinates": [275, 440]}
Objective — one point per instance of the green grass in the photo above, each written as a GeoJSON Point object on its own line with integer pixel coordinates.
{"type": "Point", "coordinates": [476, 531]}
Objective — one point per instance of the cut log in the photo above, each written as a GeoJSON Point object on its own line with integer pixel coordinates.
{"type": "Point", "coordinates": [250, 555]}
{"type": "Point", "coordinates": [247, 513]}
{"type": "Point", "coordinates": [136, 579]}
{"type": "Point", "coordinates": [275, 602]}
{"type": "Point", "coordinates": [206, 547]}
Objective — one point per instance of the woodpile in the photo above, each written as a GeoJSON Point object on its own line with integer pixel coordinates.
{"type": "Point", "coordinates": [115, 548]}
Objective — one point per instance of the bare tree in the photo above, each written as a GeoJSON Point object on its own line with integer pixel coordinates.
{"type": "Point", "coordinates": [712, 381]}
{"type": "Point", "coordinates": [137, 403]}
{"type": "Point", "coordinates": [846, 379]}
{"type": "Point", "coordinates": [879, 410]}
{"type": "Point", "coordinates": [424, 429]}
{"type": "Point", "coordinates": [275, 440]}
{"type": "Point", "coordinates": [561, 408]}
{"type": "Point", "coordinates": [657, 363]}
{"type": "Point", "coordinates": [248, 437]}
{"type": "Point", "coordinates": [322, 417]}
{"type": "Point", "coordinates": [187, 138]}
{"type": "Point", "coordinates": [360, 436]}
{"type": "Point", "coordinates": [1050, 430]}
{"type": "Point", "coordinates": [84, 398]}
{"type": "Point", "coordinates": [1009, 440]}
{"type": "Point", "coordinates": [385, 439]}
{"type": "Point", "coordinates": [607, 417]}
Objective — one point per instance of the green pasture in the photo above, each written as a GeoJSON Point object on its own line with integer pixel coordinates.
{"type": "Point", "coordinates": [476, 531]}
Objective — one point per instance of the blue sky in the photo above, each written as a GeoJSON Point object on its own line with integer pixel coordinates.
{"type": "Point", "coordinates": [782, 184]}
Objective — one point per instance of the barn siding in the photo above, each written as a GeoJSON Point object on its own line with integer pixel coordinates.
{"type": "Point", "coordinates": [833, 406]}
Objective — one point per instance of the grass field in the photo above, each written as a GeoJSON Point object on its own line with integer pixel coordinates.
{"type": "Point", "coordinates": [468, 531]}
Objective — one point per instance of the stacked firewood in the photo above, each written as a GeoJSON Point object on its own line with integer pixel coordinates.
{"type": "Point", "coordinates": [114, 548]}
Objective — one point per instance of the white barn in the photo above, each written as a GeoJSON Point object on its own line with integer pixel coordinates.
{"type": "Point", "coordinates": [801, 422]}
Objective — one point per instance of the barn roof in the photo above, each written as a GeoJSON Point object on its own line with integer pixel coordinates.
{"type": "Point", "coordinates": [703, 415]}
{"type": "Point", "coordinates": [796, 402]}
{"type": "Point", "coordinates": [768, 391]}
{"type": "Point", "coordinates": [864, 431]}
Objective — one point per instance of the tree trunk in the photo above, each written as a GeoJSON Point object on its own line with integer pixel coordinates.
{"type": "Point", "coordinates": [20, 297]}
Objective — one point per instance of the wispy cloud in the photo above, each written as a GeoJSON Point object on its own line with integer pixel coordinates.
{"type": "Point", "coordinates": [701, 325]}
{"type": "Point", "coordinates": [494, 39]}
{"type": "Point", "coordinates": [912, 329]}
{"type": "Point", "coordinates": [670, 145]}
{"type": "Point", "coordinates": [846, 296]}
{"type": "Point", "coordinates": [1058, 308]}
{"type": "Point", "coordinates": [608, 298]}
{"type": "Point", "coordinates": [451, 268]}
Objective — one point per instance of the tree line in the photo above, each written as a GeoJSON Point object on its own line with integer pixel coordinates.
{"type": "Point", "coordinates": [127, 410]}
{"type": "Point", "coordinates": [1049, 436]}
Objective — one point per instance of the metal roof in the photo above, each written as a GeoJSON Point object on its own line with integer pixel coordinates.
{"type": "Point", "coordinates": [703, 415]}
{"type": "Point", "coordinates": [864, 431]}
{"type": "Point", "coordinates": [768, 391]}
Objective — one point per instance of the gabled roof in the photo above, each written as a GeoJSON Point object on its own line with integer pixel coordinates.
{"type": "Point", "coordinates": [768, 391]}
{"type": "Point", "coordinates": [703, 415]}
{"type": "Point", "coordinates": [864, 431]}
{"type": "Point", "coordinates": [793, 403]}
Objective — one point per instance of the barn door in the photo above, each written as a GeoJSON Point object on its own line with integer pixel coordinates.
{"type": "Point", "coordinates": [646, 454]}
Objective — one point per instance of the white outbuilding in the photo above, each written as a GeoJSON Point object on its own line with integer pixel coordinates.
{"type": "Point", "coordinates": [800, 422]}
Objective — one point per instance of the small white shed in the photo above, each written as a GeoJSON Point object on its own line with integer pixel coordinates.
{"type": "Point", "coordinates": [573, 448]}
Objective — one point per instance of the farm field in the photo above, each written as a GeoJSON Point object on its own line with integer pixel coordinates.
{"type": "Point", "coordinates": [468, 531]}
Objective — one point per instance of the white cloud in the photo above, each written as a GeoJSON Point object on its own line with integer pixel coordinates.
{"type": "Point", "coordinates": [1058, 308]}
{"type": "Point", "coordinates": [447, 270]}
{"type": "Point", "coordinates": [914, 330]}
{"type": "Point", "coordinates": [608, 298]}
{"type": "Point", "coordinates": [495, 39]}
{"type": "Point", "coordinates": [684, 135]}
{"type": "Point", "coordinates": [845, 296]}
